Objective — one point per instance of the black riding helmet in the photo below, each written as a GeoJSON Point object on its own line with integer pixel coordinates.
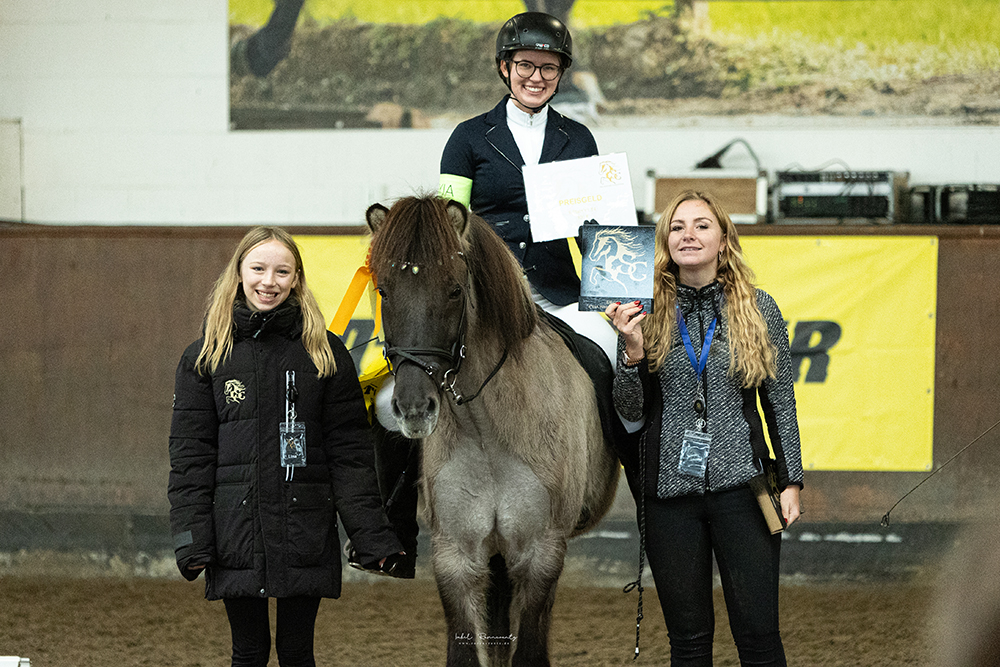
{"type": "Point", "coordinates": [534, 31]}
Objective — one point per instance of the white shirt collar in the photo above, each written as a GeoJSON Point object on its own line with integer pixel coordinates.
{"type": "Point", "coordinates": [525, 119]}
{"type": "Point", "coordinates": [528, 131]}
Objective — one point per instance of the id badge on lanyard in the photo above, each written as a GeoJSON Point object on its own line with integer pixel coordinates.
{"type": "Point", "coordinates": [291, 434]}
{"type": "Point", "coordinates": [696, 443]}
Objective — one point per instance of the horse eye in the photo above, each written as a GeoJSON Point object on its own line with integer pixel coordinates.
{"type": "Point", "coordinates": [456, 292]}
{"type": "Point", "coordinates": [381, 292]}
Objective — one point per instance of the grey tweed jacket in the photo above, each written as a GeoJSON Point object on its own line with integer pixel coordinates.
{"type": "Point", "coordinates": [666, 398]}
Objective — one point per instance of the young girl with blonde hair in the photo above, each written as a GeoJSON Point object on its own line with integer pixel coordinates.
{"type": "Point", "coordinates": [218, 339]}
{"type": "Point", "coordinates": [693, 369]}
{"type": "Point", "coordinates": [269, 443]}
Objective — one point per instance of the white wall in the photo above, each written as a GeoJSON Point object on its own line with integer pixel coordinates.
{"type": "Point", "coordinates": [123, 106]}
{"type": "Point", "coordinates": [10, 170]}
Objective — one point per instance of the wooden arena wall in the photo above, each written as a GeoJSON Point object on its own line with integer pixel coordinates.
{"type": "Point", "coordinates": [94, 320]}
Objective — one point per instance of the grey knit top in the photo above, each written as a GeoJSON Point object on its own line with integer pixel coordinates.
{"type": "Point", "coordinates": [732, 417]}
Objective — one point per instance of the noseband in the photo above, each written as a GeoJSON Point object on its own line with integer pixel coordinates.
{"type": "Point", "coordinates": [454, 356]}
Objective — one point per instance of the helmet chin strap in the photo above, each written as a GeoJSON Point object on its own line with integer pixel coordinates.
{"type": "Point", "coordinates": [533, 109]}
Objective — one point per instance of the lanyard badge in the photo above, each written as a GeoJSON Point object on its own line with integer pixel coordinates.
{"type": "Point", "coordinates": [291, 434]}
{"type": "Point", "coordinates": [696, 442]}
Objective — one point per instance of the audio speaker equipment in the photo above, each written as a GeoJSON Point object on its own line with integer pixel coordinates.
{"type": "Point", "coordinates": [971, 204]}
{"type": "Point", "coordinates": [839, 197]}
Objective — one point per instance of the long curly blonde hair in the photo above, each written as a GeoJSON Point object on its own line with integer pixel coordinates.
{"type": "Point", "coordinates": [751, 354]}
{"type": "Point", "coordinates": [218, 343]}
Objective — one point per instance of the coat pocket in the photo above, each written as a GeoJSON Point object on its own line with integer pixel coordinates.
{"type": "Point", "coordinates": [233, 526]}
{"type": "Point", "coordinates": [310, 523]}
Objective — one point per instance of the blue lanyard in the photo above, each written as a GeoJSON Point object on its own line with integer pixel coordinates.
{"type": "Point", "coordinates": [698, 363]}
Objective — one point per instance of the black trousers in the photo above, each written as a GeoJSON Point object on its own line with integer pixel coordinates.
{"type": "Point", "coordinates": [682, 534]}
{"type": "Point", "coordinates": [296, 624]}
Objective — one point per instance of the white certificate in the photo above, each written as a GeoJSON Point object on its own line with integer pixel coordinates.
{"type": "Point", "coordinates": [563, 195]}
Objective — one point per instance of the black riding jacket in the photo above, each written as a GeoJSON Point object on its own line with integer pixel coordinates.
{"type": "Point", "coordinates": [484, 150]}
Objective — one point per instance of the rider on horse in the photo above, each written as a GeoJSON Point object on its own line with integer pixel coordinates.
{"type": "Point", "coordinates": [481, 167]}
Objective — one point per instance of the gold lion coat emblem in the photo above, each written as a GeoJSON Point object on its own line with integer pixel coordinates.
{"type": "Point", "coordinates": [235, 391]}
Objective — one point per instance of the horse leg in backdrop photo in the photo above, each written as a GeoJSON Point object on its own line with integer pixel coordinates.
{"type": "Point", "coordinates": [261, 52]}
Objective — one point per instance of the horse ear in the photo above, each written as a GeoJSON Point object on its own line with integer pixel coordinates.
{"type": "Point", "coordinates": [375, 215]}
{"type": "Point", "coordinates": [459, 216]}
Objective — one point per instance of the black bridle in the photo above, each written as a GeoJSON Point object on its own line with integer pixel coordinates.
{"type": "Point", "coordinates": [454, 356]}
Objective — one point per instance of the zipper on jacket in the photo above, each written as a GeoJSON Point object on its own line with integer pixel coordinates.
{"type": "Point", "coordinates": [257, 459]}
{"type": "Point", "coordinates": [704, 375]}
{"type": "Point", "coordinates": [264, 319]}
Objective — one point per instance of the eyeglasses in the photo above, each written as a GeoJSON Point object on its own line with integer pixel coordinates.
{"type": "Point", "coordinates": [525, 69]}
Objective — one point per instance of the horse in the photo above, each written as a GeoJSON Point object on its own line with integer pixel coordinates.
{"type": "Point", "coordinates": [514, 461]}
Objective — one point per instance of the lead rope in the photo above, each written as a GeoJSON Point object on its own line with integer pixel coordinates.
{"type": "Point", "coordinates": [637, 584]}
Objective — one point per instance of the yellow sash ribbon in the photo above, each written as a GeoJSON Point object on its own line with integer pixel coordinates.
{"type": "Point", "coordinates": [352, 297]}
{"type": "Point", "coordinates": [374, 375]}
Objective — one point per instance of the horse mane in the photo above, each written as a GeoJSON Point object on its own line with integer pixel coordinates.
{"type": "Point", "coordinates": [419, 230]}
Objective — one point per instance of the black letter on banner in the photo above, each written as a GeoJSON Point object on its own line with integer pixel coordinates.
{"type": "Point", "coordinates": [829, 334]}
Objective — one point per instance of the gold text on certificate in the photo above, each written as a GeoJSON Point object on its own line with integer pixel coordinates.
{"type": "Point", "coordinates": [574, 201]}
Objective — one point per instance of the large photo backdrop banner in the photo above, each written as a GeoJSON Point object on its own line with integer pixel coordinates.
{"type": "Point", "coordinates": [861, 313]}
{"type": "Point", "coordinates": [351, 64]}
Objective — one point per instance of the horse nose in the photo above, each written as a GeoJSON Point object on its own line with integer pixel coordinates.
{"type": "Point", "coordinates": [418, 407]}
{"type": "Point", "coordinates": [416, 418]}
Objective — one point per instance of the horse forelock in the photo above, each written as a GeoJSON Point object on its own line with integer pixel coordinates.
{"type": "Point", "coordinates": [417, 232]}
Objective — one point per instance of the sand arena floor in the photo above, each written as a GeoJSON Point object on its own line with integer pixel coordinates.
{"type": "Point", "coordinates": [100, 622]}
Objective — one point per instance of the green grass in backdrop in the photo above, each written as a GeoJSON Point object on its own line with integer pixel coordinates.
{"type": "Point", "coordinates": [871, 22]}
{"type": "Point", "coordinates": [586, 13]}
{"type": "Point", "coordinates": [821, 54]}
{"type": "Point", "coordinates": [874, 23]}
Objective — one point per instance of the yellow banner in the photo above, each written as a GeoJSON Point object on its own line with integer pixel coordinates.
{"type": "Point", "coordinates": [861, 316]}
{"type": "Point", "coordinates": [331, 264]}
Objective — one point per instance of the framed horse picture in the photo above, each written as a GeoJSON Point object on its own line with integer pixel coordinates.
{"type": "Point", "coordinates": [616, 265]}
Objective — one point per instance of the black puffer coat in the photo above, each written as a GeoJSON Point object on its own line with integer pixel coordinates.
{"type": "Point", "coordinates": [230, 506]}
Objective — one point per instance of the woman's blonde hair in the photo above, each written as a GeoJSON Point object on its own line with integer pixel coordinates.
{"type": "Point", "coordinates": [219, 318]}
{"type": "Point", "coordinates": [751, 354]}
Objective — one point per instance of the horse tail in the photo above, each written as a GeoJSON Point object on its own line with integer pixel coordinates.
{"type": "Point", "coordinates": [499, 596]}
